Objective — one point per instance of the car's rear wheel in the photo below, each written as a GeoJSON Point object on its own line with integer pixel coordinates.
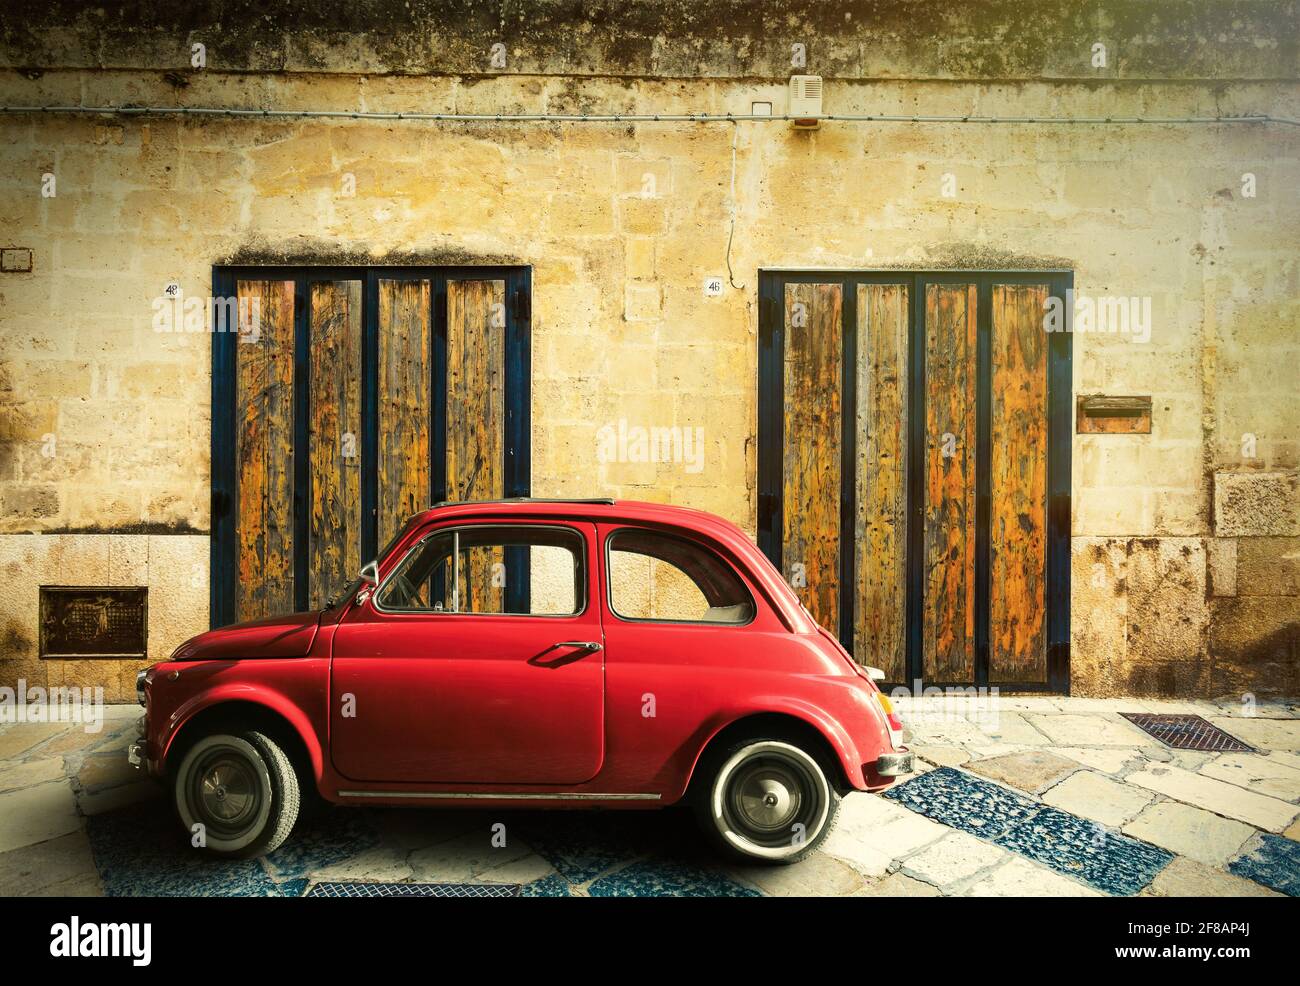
{"type": "Point", "coordinates": [767, 800]}
{"type": "Point", "coordinates": [237, 794]}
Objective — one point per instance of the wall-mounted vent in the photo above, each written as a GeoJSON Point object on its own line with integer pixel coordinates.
{"type": "Point", "coordinates": [806, 101]}
{"type": "Point", "coordinates": [81, 622]}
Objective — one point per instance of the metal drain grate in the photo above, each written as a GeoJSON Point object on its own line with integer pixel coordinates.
{"type": "Point", "coordinates": [1187, 733]}
{"type": "Point", "coordinates": [415, 890]}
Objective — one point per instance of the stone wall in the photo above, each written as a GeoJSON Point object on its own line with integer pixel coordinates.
{"type": "Point", "coordinates": [1185, 540]}
{"type": "Point", "coordinates": [175, 570]}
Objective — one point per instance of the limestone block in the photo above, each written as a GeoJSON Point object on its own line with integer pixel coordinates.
{"type": "Point", "coordinates": [1090, 730]}
{"type": "Point", "coordinates": [1029, 770]}
{"type": "Point", "coordinates": [955, 858]}
{"type": "Point", "coordinates": [1187, 878]}
{"type": "Point", "coordinates": [580, 214]}
{"type": "Point", "coordinates": [1095, 796]}
{"type": "Point", "coordinates": [1221, 554]}
{"type": "Point", "coordinates": [1190, 831]}
{"type": "Point", "coordinates": [641, 216]}
{"type": "Point", "coordinates": [1269, 566]}
{"type": "Point", "coordinates": [1216, 796]}
{"type": "Point", "coordinates": [179, 591]}
{"type": "Point", "coordinates": [1167, 615]}
{"type": "Point", "coordinates": [1256, 504]}
{"type": "Point", "coordinates": [1020, 878]}
{"type": "Point", "coordinates": [642, 302]}
{"type": "Point", "coordinates": [1266, 775]}
{"type": "Point", "coordinates": [639, 256]}
{"type": "Point", "coordinates": [1253, 643]}
{"type": "Point", "coordinates": [37, 814]}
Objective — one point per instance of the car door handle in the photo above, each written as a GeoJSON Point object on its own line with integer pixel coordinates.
{"type": "Point", "coordinates": [572, 651]}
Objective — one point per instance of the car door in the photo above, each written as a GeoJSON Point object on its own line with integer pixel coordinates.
{"type": "Point", "coordinates": [478, 660]}
{"type": "Point", "coordinates": [685, 643]}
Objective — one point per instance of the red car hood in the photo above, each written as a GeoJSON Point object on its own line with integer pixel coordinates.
{"type": "Point", "coordinates": [273, 636]}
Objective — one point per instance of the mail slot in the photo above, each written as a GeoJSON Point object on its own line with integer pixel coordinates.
{"type": "Point", "coordinates": [1101, 414]}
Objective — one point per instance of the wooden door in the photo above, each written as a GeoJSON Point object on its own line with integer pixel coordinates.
{"type": "Point", "coordinates": [348, 400]}
{"type": "Point", "coordinates": [914, 430]}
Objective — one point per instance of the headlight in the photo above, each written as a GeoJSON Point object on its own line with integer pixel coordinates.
{"type": "Point", "coordinates": [139, 685]}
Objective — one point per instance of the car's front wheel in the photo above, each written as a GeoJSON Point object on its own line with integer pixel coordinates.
{"type": "Point", "coordinates": [767, 800]}
{"type": "Point", "coordinates": [237, 794]}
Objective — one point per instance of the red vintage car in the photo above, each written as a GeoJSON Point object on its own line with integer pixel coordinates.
{"type": "Point", "coordinates": [579, 653]}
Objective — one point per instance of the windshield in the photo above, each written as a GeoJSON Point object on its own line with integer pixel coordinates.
{"type": "Point", "coordinates": [350, 590]}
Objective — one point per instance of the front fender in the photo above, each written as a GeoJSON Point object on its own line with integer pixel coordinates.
{"type": "Point", "coordinates": [266, 697]}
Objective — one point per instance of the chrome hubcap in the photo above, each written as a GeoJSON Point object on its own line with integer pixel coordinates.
{"type": "Point", "coordinates": [227, 791]}
{"type": "Point", "coordinates": [768, 797]}
{"type": "Point", "coordinates": [773, 799]}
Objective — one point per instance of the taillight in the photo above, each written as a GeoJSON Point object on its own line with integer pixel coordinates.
{"type": "Point", "coordinates": [890, 714]}
{"type": "Point", "coordinates": [891, 717]}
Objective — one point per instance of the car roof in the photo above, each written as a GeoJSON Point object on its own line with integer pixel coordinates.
{"type": "Point", "coordinates": [606, 510]}
{"type": "Point", "coordinates": [592, 508]}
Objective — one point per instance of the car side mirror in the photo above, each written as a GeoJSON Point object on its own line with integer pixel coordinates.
{"type": "Point", "coordinates": [370, 573]}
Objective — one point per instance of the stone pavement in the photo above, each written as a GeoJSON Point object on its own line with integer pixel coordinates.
{"type": "Point", "coordinates": [1013, 797]}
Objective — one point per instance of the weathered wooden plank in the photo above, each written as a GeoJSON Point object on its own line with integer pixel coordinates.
{"type": "Point", "coordinates": [950, 374]}
{"type": "Point", "coordinates": [476, 329]}
{"type": "Point", "coordinates": [475, 389]}
{"type": "Point", "coordinates": [1018, 485]}
{"type": "Point", "coordinates": [334, 416]}
{"type": "Point", "coordinates": [813, 360]}
{"type": "Point", "coordinates": [880, 534]}
{"type": "Point", "coordinates": [405, 378]}
{"type": "Point", "coordinates": [264, 449]}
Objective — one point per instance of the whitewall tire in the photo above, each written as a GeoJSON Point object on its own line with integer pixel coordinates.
{"type": "Point", "coordinates": [768, 800]}
{"type": "Point", "coordinates": [237, 794]}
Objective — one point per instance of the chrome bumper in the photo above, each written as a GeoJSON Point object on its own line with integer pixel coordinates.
{"type": "Point", "coordinates": [135, 754]}
{"type": "Point", "coordinates": [894, 764]}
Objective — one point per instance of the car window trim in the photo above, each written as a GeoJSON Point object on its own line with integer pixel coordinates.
{"type": "Point", "coordinates": [609, 581]}
{"type": "Point", "coordinates": [373, 601]}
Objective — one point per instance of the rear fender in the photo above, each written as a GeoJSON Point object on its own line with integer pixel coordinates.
{"type": "Point", "coordinates": [836, 738]}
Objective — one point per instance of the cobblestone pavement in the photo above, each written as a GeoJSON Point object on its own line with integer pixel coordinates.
{"type": "Point", "coordinates": [1013, 797]}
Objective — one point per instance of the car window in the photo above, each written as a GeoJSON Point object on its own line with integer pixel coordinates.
{"type": "Point", "coordinates": [520, 571]}
{"type": "Point", "coordinates": [654, 576]}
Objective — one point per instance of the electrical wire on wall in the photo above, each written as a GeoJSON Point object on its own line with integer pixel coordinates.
{"type": "Point", "coordinates": [634, 117]}
{"type": "Point", "coordinates": [735, 133]}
